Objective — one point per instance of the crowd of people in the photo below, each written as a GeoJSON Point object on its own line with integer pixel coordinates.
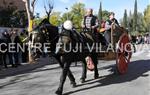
{"type": "Point", "coordinates": [141, 39]}
{"type": "Point", "coordinates": [8, 38]}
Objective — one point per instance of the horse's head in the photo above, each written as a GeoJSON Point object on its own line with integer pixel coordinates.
{"type": "Point", "coordinates": [117, 31]}
{"type": "Point", "coordinates": [117, 28]}
{"type": "Point", "coordinates": [42, 31]}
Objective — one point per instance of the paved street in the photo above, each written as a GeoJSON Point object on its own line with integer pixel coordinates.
{"type": "Point", "coordinates": [43, 78]}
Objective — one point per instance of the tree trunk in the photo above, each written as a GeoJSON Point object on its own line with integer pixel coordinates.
{"type": "Point", "coordinates": [30, 26]}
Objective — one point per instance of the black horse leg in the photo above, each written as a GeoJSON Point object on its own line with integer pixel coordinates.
{"type": "Point", "coordinates": [63, 78]}
{"type": "Point", "coordinates": [84, 71]}
{"type": "Point", "coordinates": [95, 61]}
{"type": "Point", "coordinates": [69, 74]}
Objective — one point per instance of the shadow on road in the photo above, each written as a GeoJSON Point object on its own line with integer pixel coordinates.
{"type": "Point", "coordinates": [28, 68]}
{"type": "Point", "coordinates": [136, 69]}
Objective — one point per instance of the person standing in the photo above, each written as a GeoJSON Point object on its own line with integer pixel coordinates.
{"type": "Point", "coordinates": [17, 42]}
{"type": "Point", "coordinates": [7, 40]}
{"type": "Point", "coordinates": [24, 53]}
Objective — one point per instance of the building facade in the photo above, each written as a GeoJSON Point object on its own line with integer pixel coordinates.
{"type": "Point", "coordinates": [19, 4]}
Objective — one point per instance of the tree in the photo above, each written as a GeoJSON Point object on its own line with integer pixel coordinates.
{"type": "Point", "coordinates": [76, 14]}
{"type": "Point", "coordinates": [135, 16]}
{"type": "Point", "coordinates": [67, 16]}
{"type": "Point", "coordinates": [140, 23]}
{"type": "Point", "coordinates": [141, 28]}
{"type": "Point", "coordinates": [125, 22]}
{"type": "Point", "coordinates": [100, 15]}
{"type": "Point", "coordinates": [6, 16]}
{"type": "Point", "coordinates": [30, 5]}
{"type": "Point", "coordinates": [30, 12]}
{"type": "Point", "coordinates": [37, 21]}
{"type": "Point", "coordinates": [130, 21]}
{"type": "Point", "coordinates": [55, 18]}
{"type": "Point", "coordinates": [10, 16]}
{"type": "Point", "coordinates": [49, 9]}
{"type": "Point", "coordinates": [147, 18]}
{"type": "Point", "coordinates": [105, 14]}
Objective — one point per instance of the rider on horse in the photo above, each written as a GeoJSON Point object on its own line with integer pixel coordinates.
{"type": "Point", "coordinates": [108, 24]}
{"type": "Point", "coordinates": [90, 23]}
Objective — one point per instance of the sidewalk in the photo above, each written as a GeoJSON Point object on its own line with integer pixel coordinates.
{"type": "Point", "coordinates": [26, 67]}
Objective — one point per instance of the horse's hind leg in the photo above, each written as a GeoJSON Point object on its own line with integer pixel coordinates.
{"type": "Point", "coordinates": [84, 71]}
{"type": "Point", "coordinates": [95, 61]}
{"type": "Point", "coordinates": [63, 78]}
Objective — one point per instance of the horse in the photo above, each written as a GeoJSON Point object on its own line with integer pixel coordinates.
{"type": "Point", "coordinates": [68, 39]}
{"type": "Point", "coordinates": [52, 35]}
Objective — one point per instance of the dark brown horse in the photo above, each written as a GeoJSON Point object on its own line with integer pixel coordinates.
{"type": "Point", "coordinates": [67, 47]}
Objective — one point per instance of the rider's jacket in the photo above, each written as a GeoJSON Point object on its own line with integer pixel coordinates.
{"type": "Point", "coordinates": [90, 21]}
{"type": "Point", "coordinates": [109, 22]}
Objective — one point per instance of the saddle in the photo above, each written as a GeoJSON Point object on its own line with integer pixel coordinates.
{"type": "Point", "coordinates": [83, 36]}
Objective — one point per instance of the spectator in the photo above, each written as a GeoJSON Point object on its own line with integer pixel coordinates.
{"type": "Point", "coordinates": [23, 36]}
{"type": "Point", "coordinates": [6, 39]}
{"type": "Point", "coordinates": [16, 41]}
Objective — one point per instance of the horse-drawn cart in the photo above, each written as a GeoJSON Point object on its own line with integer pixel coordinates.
{"type": "Point", "coordinates": [122, 53]}
{"type": "Point", "coordinates": [69, 46]}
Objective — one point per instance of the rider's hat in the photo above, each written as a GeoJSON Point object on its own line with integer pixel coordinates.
{"type": "Point", "coordinates": [111, 13]}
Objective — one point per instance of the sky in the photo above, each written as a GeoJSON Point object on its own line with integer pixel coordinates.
{"type": "Point", "coordinates": [116, 6]}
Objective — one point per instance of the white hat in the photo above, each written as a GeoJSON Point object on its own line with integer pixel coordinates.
{"type": "Point", "coordinates": [68, 25]}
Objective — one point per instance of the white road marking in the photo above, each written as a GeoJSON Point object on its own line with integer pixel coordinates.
{"type": "Point", "coordinates": [148, 55]}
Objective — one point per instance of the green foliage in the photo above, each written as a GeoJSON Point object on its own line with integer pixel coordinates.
{"type": "Point", "coordinates": [55, 18]}
{"type": "Point", "coordinates": [77, 13]}
{"type": "Point", "coordinates": [100, 16]}
{"type": "Point", "coordinates": [147, 18]}
{"type": "Point", "coordinates": [125, 22]}
{"type": "Point", "coordinates": [66, 16]}
{"type": "Point", "coordinates": [137, 22]}
{"type": "Point", "coordinates": [141, 28]}
{"type": "Point", "coordinates": [37, 21]}
{"type": "Point", "coordinates": [141, 23]}
{"type": "Point", "coordinates": [135, 17]}
{"type": "Point", "coordinates": [105, 14]}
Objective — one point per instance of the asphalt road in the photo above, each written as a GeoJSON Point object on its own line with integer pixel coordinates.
{"type": "Point", "coordinates": [43, 78]}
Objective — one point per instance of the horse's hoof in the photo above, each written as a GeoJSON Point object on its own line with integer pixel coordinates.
{"type": "Point", "coordinates": [58, 92]}
{"type": "Point", "coordinates": [82, 80]}
{"type": "Point", "coordinates": [73, 85]}
{"type": "Point", "coordinates": [96, 77]}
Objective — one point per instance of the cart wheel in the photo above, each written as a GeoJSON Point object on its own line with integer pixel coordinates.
{"type": "Point", "coordinates": [123, 54]}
